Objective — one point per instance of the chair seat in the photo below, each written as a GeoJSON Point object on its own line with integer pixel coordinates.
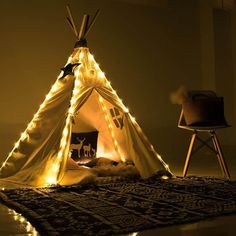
{"type": "Point", "coordinates": [203, 128]}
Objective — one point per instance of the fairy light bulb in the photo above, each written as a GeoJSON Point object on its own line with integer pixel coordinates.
{"type": "Point", "coordinates": [48, 96]}
{"type": "Point", "coordinates": [75, 91]}
{"type": "Point", "coordinates": [77, 73]}
{"type": "Point", "coordinates": [59, 155]}
{"type": "Point", "coordinates": [91, 57]}
{"type": "Point", "coordinates": [17, 144]}
{"type": "Point", "coordinates": [60, 75]}
{"type": "Point", "coordinates": [54, 88]}
{"type": "Point", "coordinates": [101, 74]}
{"type": "Point", "coordinates": [71, 110]}
{"type": "Point", "coordinates": [51, 180]}
{"type": "Point", "coordinates": [126, 110]}
{"type": "Point", "coordinates": [133, 119]}
{"type": "Point", "coordinates": [77, 83]}
{"type": "Point", "coordinates": [81, 55]}
{"type": "Point", "coordinates": [72, 101]}
{"type": "Point", "coordinates": [24, 136]}
{"type": "Point", "coordinates": [42, 106]}
{"type": "Point", "coordinates": [96, 65]}
{"type": "Point", "coordinates": [55, 167]}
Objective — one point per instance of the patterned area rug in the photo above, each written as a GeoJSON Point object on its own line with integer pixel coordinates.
{"type": "Point", "coordinates": [124, 206]}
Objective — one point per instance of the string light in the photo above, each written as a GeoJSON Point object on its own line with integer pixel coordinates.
{"type": "Point", "coordinates": [84, 56]}
{"type": "Point", "coordinates": [110, 129]}
{"type": "Point", "coordinates": [60, 75]}
{"type": "Point", "coordinates": [63, 147]}
{"type": "Point", "coordinates": [17, 144]}
{"type": "Point", "coordinates": [24, 136]}
{"type": "Point", "coordinates": [133, 119]}
{"type": "Point", "coordinates": [75, 91]}
{"type": "Point", "coordinates": [96, 66]}
{"type": "Point", "coordinates": [71, 110]}
{"type": "Point", "coordinates": [126, 110]}
{"type": "Point", "coordinates": [81, 55]}
{"type": "Point", "coordinates": [48, 96]}
{"type": "Point", "coordinates": [101, 74]}
{"type": "Point", "coordinates": [91, 57]}
{"type": "Point", "coordinates": [54, 88]}
{"type": "Point", "coordinates": [42, 106]}
{"type": "Point", "coordinates": [24, 223]}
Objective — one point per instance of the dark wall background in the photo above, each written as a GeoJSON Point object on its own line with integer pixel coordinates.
{"type": "Point", "coordinates": [146, 48]}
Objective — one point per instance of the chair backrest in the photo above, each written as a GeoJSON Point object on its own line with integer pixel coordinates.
{"type": "Point", "coordinates": [202, 109]}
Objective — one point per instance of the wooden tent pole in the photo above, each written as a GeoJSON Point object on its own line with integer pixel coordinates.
{"type": "Point", "coordinates": [71, 19]}
{"type": "Point", "coordinates": [92, 22]}
{"type": "Point", "coordinates": [84, 26]}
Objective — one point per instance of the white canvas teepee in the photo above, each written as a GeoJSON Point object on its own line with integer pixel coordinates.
{"type": "Point", "coordinates": [81, 100]}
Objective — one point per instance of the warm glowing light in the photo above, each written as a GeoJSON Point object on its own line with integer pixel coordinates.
{"type": "Point", "coordinates": [69, 60]}
{"type": "Point", "coordinates": [4, 163]}
{"type": "Point", "coordinates": [3, 189]}
{"type": "Point", "coordinates": [164, 177]}
{"type": "Point", "coordinates": [101, 74]}
{"type": "Point", "coordinates": [54, 88]}
{"type": "Point", "coordinates": [126, 110]}
{"type": "Point", "coordinates": [77, 83]}
{"type": "Point", "coordinates": [17, 144]}
{"type": "Point", "coordinates": [134, 234]}
{"type": "Point", "coordinates": [34, 233]}
{"type": "Point", "coordinates": [133, 119]}
{"type": "Point", "coordinates": [81, 55]}
{"type": "Point", "coordinates": [42, 106]}
{"type": "Point", "coordinates": [31, 125]}
{"type": "Point", "coordinates": [51, 180]}
{"type": "Point", "coordinates": [76, 72]}
{"type": "Point", "coordinates": [60, 75]}
{"type": "Point", "coordinates": [63, 143]}
{"type": "Point", "coordinates": [97, 66]}
{"type": "Point", "coordinates": [60, 154]}
{"type": "Point", "coordinates": [71, 110]}
{"type": "Point", "coordinates": [35, 116]}
{"type": "Point", "coordinates": [55, 167]}
{"type": "Point", "coordinates": [91, 57]}
{"type": "Point", "coordinates": [48, 96]}
{"type": "Point", "coordinates": [28, 227]}
{"type": "Point", "coordinates": [72, 101]}
{"type": "Point", "coordinates": [100, 99]}
{"type": "Point", "coordinates": [24, 136]}
{"type": "Point", "coordinates": [75, 91]}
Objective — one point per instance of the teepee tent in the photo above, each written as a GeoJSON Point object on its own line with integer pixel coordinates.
{"type": "Point", "coordinates": [81, 102]}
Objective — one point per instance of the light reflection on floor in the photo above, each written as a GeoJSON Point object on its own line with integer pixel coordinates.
{"type": "Point", "coordinates": [13, 223]}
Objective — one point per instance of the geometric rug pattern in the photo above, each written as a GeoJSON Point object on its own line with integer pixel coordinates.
{"type": "Point", "coordinates": [123, 206]}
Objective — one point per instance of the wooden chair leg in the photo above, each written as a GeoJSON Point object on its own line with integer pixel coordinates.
{"type": "Point", "coordinates": [189, 155]}
{"type": "Point", "coordinates": [221, 157]}
{"type": "Point", "coordinates": [217, 154]}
